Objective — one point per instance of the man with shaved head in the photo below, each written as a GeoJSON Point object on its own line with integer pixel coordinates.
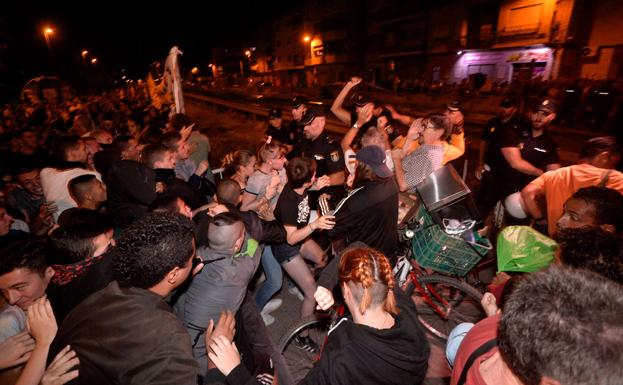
{"type": "Point", "coordinates": [88, 191]}
{"type": "Point", "coordinates": [230, 261]}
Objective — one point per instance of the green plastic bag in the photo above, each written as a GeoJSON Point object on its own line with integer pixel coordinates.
{"type": "Point", "coordinates": [523, 249]}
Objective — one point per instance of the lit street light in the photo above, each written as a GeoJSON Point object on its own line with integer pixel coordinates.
{"type": "Point", "coordinates": [94, 61]}
{"type": "Point", "coordinates": [47, 31]}
{"type": "Point", "coordinates": [306, 39]}
{"type": "Point", "coordinates": [247, 53]}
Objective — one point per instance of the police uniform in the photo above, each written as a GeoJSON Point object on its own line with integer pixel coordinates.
{"type": "Point", "coordinates": [500, 134]}
{"type": "Point", "coordinates": [328, 156]}
{"type": "Point", "coordinates": [295, 132]}
{"type": "Point", "coordinates": [280, 133]}
{"type": "Point", "coordinates": [499, 181]}
{"type": "Point", "coordinates": [295, 129]}
{"type": "Point", "coordinates": [539, 152]}
{"type": "Point", "coordinates": [327, 153]}
{"type": "Point", "coordinates": [503, 180]}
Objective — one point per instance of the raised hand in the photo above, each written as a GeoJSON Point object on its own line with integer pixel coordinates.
{"type": "Point", "coordinates": [415, 129]}
{"type": "Point", "coordinates": [186, 131]}
{"type": "Point", "coordinates": [58, 373]}
{"type": "Point", "coordinates": [365, 114]}
{"type": "Point", "coordinates": [355, 80]}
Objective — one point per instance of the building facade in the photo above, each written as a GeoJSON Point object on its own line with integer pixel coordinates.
{"type": "Point", "coordinates": [391, 42]}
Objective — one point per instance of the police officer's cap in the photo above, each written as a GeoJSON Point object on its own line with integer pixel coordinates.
{"type": "Point", "coordinates": [453, 105]}
{"type": "Point", "coordinates": [508, 103]}
{"type": "Point", "coordinates": [298, 101]}
{"type": "Point", "coordinates": [548, 106]}
{"type": "Point", "coordinates": [274, 113]}
{"type": "Point", "coordinates": [360, 99]}
{"type": "Point", "coordinates": [310, 115]}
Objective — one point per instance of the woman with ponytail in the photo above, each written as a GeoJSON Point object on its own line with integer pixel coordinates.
{"type": "Point", "coordinates": [382, 342]}
{"type": "Point", "coordinates": [239, 166]}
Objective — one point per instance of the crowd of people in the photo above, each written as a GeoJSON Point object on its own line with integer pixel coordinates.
{"type": "Point", "coordinates": [125, 259]}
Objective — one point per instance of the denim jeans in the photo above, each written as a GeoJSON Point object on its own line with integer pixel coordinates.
{"type": "Point", "coordinates": [274, 278]}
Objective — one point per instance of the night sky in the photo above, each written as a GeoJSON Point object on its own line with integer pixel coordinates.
{"type": "Point", "coordinates": [130, 37]}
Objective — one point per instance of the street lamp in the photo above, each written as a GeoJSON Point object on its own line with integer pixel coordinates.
{"type": "Point", "coordinates": [94, 61]}
{"type": "Point", "coordinates": [306, 39]}
{"type": "Point", "coordinates": [47, 31]}
{"type": "Point", "coordinates": [247, 53]}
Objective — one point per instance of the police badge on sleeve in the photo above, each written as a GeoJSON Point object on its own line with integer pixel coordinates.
{"type": "Point", "coordinates": [335, 156]}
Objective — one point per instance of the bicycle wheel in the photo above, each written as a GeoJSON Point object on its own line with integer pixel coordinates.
{"type": "Point", "coordinates": [444, 302]}
{"type": "Point", "coordinates": [300, 361]}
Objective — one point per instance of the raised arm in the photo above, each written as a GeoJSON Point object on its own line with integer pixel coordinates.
{"type": "Point", "coordinates": [397, 155]}
{"type": "Point", "coordinates": [364, 115]}
{"type": "Point", "coordinates": [404, 119]}
{"type": "Point", "coordinates": [342, 114]}
{"type": "Point", "coordinates": [456, 146]}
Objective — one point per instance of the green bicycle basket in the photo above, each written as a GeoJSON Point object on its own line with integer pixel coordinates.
{"type": "Point", "coordinates": [438, 251]}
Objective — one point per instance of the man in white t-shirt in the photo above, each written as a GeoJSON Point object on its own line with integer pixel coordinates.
{"type": "Point", "coordinates": [71, 157]}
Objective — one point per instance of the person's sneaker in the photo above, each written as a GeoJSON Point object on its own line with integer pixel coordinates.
{"type": "Point", "coordinates": [294, 290]}
{"type": "Point", "coordinates": [272, 305]}
{"type": "Point", "coordinates": [268, 319]}
{"type": "Point", "coordinates": [306, 344]}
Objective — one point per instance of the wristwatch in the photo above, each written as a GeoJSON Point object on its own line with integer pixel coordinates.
{"type": "Point", "coordinates": [356, 126]}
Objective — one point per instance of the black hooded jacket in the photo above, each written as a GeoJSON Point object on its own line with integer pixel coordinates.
{"type": "Point", "coordinates": [358, 354]}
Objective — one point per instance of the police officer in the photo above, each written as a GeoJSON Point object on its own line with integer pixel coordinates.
{"type": "Point", "coordinates": [507, 120]}
{"type": "Point", "coordinates": [319, 145]}
{"type": "Point", "coordinates": [536, 146]}
{"type": "Point", "coordinates": [516, 152]}
{"type": "Point", "coordinates": [275, 131]}
{"type": "Point", "coordinates": [295, 130]}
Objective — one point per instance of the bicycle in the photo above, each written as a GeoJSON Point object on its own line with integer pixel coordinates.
{"type": "Point", "coordinates": [442, 301]}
